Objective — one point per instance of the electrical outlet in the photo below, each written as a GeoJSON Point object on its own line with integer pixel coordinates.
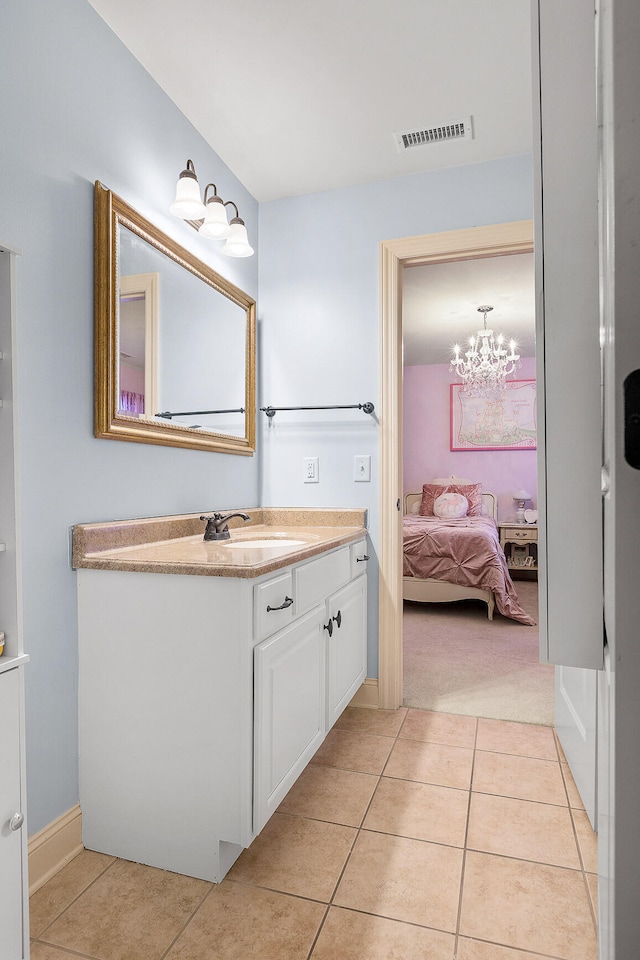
{"type": "Point", "coordinates": [362, 468]}
{"type": "Point", "coordinates": [310, 472]}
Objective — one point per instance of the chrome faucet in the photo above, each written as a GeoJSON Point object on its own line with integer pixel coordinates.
{"type": "Point", "coordinates": [217, 528]}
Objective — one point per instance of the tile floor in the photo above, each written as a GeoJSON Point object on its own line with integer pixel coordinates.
{"type": "Point", "coordinates": [411, 836]}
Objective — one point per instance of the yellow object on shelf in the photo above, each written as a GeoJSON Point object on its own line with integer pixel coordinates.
{"type": "Point", "coordinates": [1, 643]}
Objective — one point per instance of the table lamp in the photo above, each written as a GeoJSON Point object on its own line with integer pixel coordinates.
{"type": "Point", "coordinates": [521, 497]}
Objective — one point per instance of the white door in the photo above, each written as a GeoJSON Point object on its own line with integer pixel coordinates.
{"type": "Point", "coordinates": [619, 769]}
{"type": "Point", "coordinates": [568, 352]}
{"type": "Point", "coordinates": [11, 807]}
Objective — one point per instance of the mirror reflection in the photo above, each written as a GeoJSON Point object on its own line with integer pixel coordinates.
{"type": "Point", "coordinates": [175, 342]}
{"type": "Point", "coordinates": [182, 344]}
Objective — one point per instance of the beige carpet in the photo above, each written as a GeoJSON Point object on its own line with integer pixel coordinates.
{"type": "Point", "coordinates": [458, 661]}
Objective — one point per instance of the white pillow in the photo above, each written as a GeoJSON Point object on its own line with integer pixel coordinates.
{"type": "Point", "coordinates": [450, 506]}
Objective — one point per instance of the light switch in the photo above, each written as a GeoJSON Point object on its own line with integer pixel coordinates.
{"type": "Point", "coordinates": [362, 468]}
{"type": "Point", "coordinates": [310, 472]}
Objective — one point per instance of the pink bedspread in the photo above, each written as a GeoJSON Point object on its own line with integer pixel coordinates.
{"type": "Point", "coordinates": [466, 552]}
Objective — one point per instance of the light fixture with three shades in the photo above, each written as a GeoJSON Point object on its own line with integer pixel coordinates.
{"type": "Point", "coordinates": [209, 215]}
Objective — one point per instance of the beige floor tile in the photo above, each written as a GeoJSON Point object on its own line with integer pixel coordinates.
{"type": "Point", "coordinates": [43, 951]}
{"type": "Point", "coordinates": [296, 855]}
{"type": "Point", "coordinates": [383, 723]}
{"type": "Point", "coordinates": [347, 935]}
{"type": "Point", "coordinates": [575, 800]}
{"type": "Point", "coordinates": [529, 906]}
{"type": "Point", "coordinates": [430, 763]}
{"type": "Point", "coordinates": [477, 950]}
{"type": "Point", "coordinates": [524, 778]}
{"type": "Point", "coordinates": [403, 879]}
{"type": "Point", "coordinates": [450, 728]}
{"type": "Point", "coordinates": [240, 922]}
{"type": "Point", "coordinates": [50, 900]}
{"type": "Point", "coordinates": [423, 811]}
{"type": "Point", "coordinates": [360, 752]}
{"type": "Point", "coordinates": [324, 793]}
{"type": "Point", "coordinates": [522, 829]}
{"type": "Point", "coordinates": [131, 912]}
{"type": "Point", "coordinates": [523, 739]}
{"type": "Point", "coordinates": [587, 841]}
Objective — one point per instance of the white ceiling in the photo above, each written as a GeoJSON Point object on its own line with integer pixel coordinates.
{"type": "Point", "coordinates": [299, 96]}
{"type": "Point", "coordinates": [440, 305]}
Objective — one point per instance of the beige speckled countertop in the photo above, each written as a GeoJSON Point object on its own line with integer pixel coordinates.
{"type": "Point", "coordinates": [175, 544]}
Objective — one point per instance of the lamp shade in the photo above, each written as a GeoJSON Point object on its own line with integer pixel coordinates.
{"type": "Point", "coordinates": [521, 495]}
{"type": "Point", "coordinates": [215, 225]}
{"type": "Point", "coordinates": [238, 243]}
{"type": "Point", "coordinates": [187, 204]}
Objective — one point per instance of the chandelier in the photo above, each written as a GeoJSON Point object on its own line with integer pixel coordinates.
{"type": "Point", "coordinates": [486, 365]}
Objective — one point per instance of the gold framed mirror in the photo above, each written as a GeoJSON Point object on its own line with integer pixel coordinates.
{"type": "Point", "coordinates": [175, 343]}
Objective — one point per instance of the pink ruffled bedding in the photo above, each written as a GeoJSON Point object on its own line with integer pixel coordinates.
{"type": "Point", "coordinates": [466, 552]}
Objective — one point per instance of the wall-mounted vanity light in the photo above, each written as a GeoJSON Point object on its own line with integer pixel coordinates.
{"type": "Point", "coordinates": [209, 218]}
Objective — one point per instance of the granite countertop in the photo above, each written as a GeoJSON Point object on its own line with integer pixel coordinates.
{"type": "Point", "coordinates": [175, 545]}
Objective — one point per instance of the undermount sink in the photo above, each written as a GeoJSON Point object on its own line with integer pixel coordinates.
{"type": "Point", "coordinates": [273, 542]}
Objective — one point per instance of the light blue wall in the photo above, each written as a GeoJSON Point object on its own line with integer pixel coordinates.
{"type": "Point", "coordinates": [77, 107]}
{"type": "Point", "coordinates": [319, 321]}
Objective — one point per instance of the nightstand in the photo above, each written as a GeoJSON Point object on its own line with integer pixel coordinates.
{"type": "Point", "coordinates": [520, 544]}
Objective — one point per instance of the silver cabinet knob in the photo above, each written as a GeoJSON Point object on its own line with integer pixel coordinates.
{"type": "Point", "coordinates": [16, 821]}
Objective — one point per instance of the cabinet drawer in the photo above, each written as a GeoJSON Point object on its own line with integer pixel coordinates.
{"type": "Point", "coordinates": [520, 534]}
{"type": "Point", "coordinates": [358, 556]}
{"type": "Point", "coordinates": [271, 607]}
{"type": "Point", "coordinates": [314, 581]}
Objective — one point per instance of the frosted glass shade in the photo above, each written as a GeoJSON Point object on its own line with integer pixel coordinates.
{"type": "Point", "coordinates": [187, 204]}
{"type": "Point", "coordinates": [215, 226]}
{"type": "Point", "coordinates": [238, 243]}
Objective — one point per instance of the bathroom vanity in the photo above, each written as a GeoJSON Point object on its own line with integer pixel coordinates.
{"type": "Point", "coordinates": [209, 675]}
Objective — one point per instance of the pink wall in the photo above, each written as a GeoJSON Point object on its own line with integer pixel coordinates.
{"type": "Point", "coordinates": [132, 378]}
{"type": "Point", "coordinates": [426, 441]}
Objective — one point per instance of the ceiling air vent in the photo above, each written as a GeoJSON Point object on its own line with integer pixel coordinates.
{"type": "Point", "coordinates": [458, 130]}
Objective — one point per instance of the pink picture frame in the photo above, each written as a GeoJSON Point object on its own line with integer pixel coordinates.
{"type": "Point", "coordinates": [504, 422]}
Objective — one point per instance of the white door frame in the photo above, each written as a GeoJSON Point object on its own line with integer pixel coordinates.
{"type": "Point", "coordinates": [491, 241]}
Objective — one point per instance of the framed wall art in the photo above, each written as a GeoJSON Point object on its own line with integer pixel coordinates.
{"type": "Point", "coordinates": [505, 420]}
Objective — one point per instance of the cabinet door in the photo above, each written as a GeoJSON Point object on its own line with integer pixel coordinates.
{"type": "Point", "coordinates": [11, 839]}
{"type": "Point", "coordinates": [347, 646]}
{"type": "Point", "coordinates": [289, 699]}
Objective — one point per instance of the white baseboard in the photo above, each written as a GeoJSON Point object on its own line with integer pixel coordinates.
{"type": "Point", "coordinates": [367, 695]}
{"type": "Point", "coordinates": [53, 847]}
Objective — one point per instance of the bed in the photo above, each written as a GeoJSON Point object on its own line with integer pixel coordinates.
{"type": "Point", "coordinates": [446, 559]}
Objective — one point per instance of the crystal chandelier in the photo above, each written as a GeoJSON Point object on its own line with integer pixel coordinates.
{"type": "Point", "coordinates": [486, 364]}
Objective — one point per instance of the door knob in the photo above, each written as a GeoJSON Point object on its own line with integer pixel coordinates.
{"type": "Point", "coordinates": [16, 821]}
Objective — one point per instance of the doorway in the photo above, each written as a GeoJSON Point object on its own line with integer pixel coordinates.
{"type": "Point", "coordinates": [456, 660]}
{"type": "Point", "coordinates": [476, 242]}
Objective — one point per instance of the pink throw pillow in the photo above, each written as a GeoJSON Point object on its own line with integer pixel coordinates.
{"type": "Point", "coordinates": [472, 491]}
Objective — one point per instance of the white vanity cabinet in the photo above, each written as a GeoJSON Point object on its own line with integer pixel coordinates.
{"type": "Point", "coordinates": [14, 941]}
{"type": "Point", "coordinates": [305, 675]}
{"type": "Point", "coordinates": [202, 699]}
